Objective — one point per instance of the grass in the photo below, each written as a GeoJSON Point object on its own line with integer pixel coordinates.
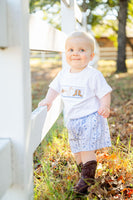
{"type": "Point", "coordinates": [55, 171]}
{"type": "Point", "coordinates": [42, 75]}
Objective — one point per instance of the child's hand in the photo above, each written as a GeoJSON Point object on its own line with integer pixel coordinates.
{"type": "Point", "coordinates": [51, 95]}
{"type": "Point", "coordinates": [104, 111]}
{"type": "Point", "coordinates": [45, 103]}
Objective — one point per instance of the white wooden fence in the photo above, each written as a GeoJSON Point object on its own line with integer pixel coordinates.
{"type": "Point", "coordinates": [110, 53]}
{"type": "Point", "coordinates": [21, 130]}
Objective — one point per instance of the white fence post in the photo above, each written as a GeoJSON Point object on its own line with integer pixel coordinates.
{"type": "Point", "coordinates": [5, 163]}
{"type": "Point", "coordinates": [3, 24]}
{"type": "Point", "coordinates": [15, 101]}
{"type": "Point", "coordinates": [68, 21]}
{"type": "Point", "coordinates": [19, 134]}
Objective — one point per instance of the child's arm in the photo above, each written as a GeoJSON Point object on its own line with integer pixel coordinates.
{"type": "Point", "coordinates": [104, 109]}
{"type": "Point", "coordinates": [51, 95]}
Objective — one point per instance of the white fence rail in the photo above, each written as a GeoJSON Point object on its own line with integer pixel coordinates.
{"type": "Point", "coordinates": [42, 121]}
{"type": "Point", "coordinates": [110, 53]}
{"type": "Point", "coordinates": [44, 37]}
{"type": "Point", "coordinates": [5, 163]}
{"type": "Point", "coordinates": [21, 132]}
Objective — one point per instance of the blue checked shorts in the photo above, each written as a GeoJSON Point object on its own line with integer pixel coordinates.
{"type": "Point", "coordinates": [88, 133]}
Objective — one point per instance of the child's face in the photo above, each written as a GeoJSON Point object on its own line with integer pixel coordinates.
{"type": "Point", "coordinates": [78, 53]}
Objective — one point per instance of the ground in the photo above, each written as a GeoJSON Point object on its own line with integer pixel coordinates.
{"type": "Point", "coordinates": [55, 171]}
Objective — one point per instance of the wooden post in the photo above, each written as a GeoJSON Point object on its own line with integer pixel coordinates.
{"type": "Point", "coordinates": [5, 158]}
{"type": "Point", "coordinates": [68, 20]}
{"type": "Point", "coordinates": [84, 21]}
{"type": "Point", "coordinates": [3, 24]}
{"type": "Point", "coordinates": [15, 106]}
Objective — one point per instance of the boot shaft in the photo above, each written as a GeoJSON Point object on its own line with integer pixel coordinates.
{"type": "Point", "coordinates": [87, 177]}
{"type": "Point", "coordinates": [89, 169]}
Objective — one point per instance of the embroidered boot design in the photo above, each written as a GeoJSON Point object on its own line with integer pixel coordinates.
{"type": "Point", "coordinates": [77, 93]}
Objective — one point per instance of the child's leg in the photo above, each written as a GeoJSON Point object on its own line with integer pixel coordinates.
{"type": "Point", "coordinates": [87, 156]}
{"type": "Point", "coordinates": [88, 171]}
{"type": "Point", "coordinates": [78, 157]}
{"type": "Point", "coordinates": [78, 161]}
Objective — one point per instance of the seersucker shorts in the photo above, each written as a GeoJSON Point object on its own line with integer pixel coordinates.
{"type": "Point", "coordinates": [88, 133]}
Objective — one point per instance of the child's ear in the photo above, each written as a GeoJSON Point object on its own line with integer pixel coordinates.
{"type": "Point", "coordinates": [92, 56]}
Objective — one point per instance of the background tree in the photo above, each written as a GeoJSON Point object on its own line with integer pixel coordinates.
{"type": "Point", "coordinates": [119, 8]}
{"type": "Point", "coordinates": [122, 17]}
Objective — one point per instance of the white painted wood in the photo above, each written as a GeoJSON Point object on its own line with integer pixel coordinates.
{"type": "Point", "coordinates": [15, 88]}
{"type": "Point", "coordinates": [52, 115]}
{"type": "Point", "coordinates": [38, 119]}
{"type": "Point", "coordinates": [43, 37]}
{"type": "Point", "coordinates": [3, 24]}
{"type": "Point", "coordinates": [68, 21]}
{"type": "Point", "coordinates": [108, 58]}
{"type": "Point", "coordinates": [42, 121]}
{"type": "Point", "coordinates": [78, 13]}
{"type": "Point", "coordinates": [15, 192]}
{"type": "Point", "coordinates": [113, 49]}
{"type": "Point", "coordinates": [110, 53]}
{"type": "Point", "coordinates": [84, 21]}
{"type": "Point", "coordinates": [45, 55]}
{"type": "Point", "coordinates": [113, 57]}
{"type": "Point", "coordinates": [108, 49]}
{"type": "Point", "coordinates": [66, 2]}
{"type": "Point", "coordinates": [5, 166]}
{"type": "Point", "coordinates": [94, 62]}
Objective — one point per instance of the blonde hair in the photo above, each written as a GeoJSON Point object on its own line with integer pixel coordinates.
{"type": "Point", "coordinates": [82, 34]}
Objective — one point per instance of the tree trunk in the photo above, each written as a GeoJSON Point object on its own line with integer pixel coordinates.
{"type": "Point", "coordinates": [122, 17]}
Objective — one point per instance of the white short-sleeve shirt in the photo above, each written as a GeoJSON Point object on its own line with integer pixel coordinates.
{"type": "Point", "coordinates": [80, 91]}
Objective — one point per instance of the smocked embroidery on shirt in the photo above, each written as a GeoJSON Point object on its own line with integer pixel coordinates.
{"type": "Point", "coordinates": [72, 92]}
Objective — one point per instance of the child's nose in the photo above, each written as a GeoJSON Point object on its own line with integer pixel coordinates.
{"type": "Point", "coordinates": [75, 52]}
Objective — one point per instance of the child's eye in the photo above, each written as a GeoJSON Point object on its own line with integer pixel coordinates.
{"type": "Point", "coordinates": [82, 50]}
{"type": "Point", "coordinates": [71, 50]}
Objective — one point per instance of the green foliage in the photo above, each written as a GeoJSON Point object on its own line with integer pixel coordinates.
{"type": "Point", "coordinates": [97, 10]}
{"type": "Point", "coordinates": [93, 9]}
{"type": "Point", "coordinates": [41, 4]}
{"type": "Point", "coordinates": [112, 3]}
{"type": "Point", "coordinates": [51, 11]}
{"type": "Point", "coordinates": [130, 11]}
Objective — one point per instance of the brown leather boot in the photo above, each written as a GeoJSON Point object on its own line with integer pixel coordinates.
{"type": "Point", "coordinates": [87, 177]}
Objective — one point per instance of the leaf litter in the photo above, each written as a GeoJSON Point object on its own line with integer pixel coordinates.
{"type": "Point", "coordinates": [55, 170]}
